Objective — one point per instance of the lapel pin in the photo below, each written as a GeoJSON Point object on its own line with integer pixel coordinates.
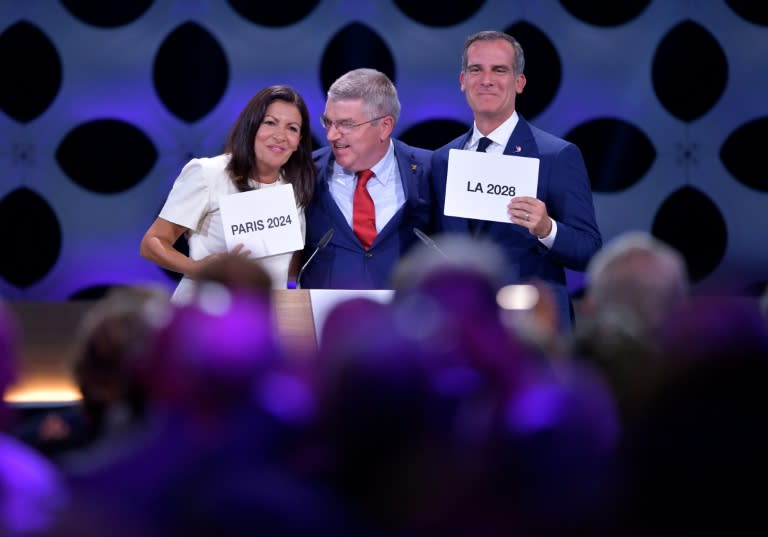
{"type": "Point", "coordinates": [413, 167]}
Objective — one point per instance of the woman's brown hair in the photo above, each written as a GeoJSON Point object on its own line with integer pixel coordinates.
{"type": "Point", "coordinates": [299, 170]}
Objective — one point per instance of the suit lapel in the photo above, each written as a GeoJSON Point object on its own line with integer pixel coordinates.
{"type": "Point", "coordinates": [410, 171]}
{"type": "Point", "coordinates": [343, 232]}
{"type": "Point", "coordinates": [521, 142]}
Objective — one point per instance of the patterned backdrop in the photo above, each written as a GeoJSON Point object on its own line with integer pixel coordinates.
{"type": "Point", "coordinates": [103, 102]}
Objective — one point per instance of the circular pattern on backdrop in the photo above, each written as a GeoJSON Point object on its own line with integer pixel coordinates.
{"type": "Point", "coordinates": [689, 221]}
{"type": "Point", "coordinates": [690, 71]}
{"type": "Point", "coordinates": [355, 45]}
{"type": "Point", "coordinates": [87, 115]}
{"type": "Point", "coordinates": [448, 14]}
{"type": "Point", "coordinates": [273, 14]}
{"type": "Point", "coordinates": [31, 80]}
{"type": "Point", "coordinates": [750, 10]}
{"type": "Point", "coordinates": [107, 14]}
{"type": "Point", "coordinates": [605, 12]}
{"type": "Point", "coordinates": [190, 72]}
{"type": "Point", "coordinates": [108, 170]}
{"type": "Point", "coordinates": [434, 133]}
{"type": "Point", "coordinates": [617, 154]}
{"type": "Point", "coordinates": [33, 240]}
{"type": "Point", "coordinates": [94, 292]}
{"type": "Point", "coordinates": [742, 154]}
{"type": "Point", "coordinates": [543, 75]}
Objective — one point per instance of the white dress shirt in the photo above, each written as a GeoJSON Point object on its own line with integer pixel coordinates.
{"type": "Point", "coordinates": [385, 188]}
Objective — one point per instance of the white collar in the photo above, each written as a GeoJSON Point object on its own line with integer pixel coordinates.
{"type": "Point", "coordinates": [380, 169]}
{"type": "Point", "coordinates": [500, 135]}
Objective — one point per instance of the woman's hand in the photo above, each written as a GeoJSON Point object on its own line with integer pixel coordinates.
{"type": "Point", "coordinates": [238, 250]}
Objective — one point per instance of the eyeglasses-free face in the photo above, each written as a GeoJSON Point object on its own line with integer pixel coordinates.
{"type": "Point", "coordinates": [490, 83]}
{"type": "Point", "coordinates": [276, 139]}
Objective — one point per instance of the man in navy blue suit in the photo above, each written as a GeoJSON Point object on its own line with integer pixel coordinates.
{"type": "Point", "coordinates": [555, 230]}
{"type": "Point", "coordinates": [373, 214]}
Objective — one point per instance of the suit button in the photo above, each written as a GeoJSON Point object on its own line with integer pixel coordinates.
{"type": "Point", "coordinates": [368, 255]}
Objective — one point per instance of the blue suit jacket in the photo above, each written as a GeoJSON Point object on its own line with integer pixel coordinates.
{"type": "Point", "coordinates": [344, 263]}
{"type": "Point", "coordinates": [564, 188]}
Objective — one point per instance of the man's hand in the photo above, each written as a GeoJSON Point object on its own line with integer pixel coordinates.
{"type": "Point", "coordinates": [530, 213]}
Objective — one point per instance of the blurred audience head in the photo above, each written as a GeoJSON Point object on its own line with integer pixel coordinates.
{"type": "Point", "coordinates": [111, 337]}
{"type": "Point", "coordinates": [634, 282]}
{"type": "Point", "coordinates": [32, 492]}
{"type": "Point", "coordinates": [698, 458]}
{"type": "Point", "coordinates": [373, 388]}
{"type": "Point", "coordinates": [238, 272]}
{"type": "Point", "coordinates": [207, 354]}
{"type": "Point", "coordinates": [371, 377]}
{"type": "Point", "coordinates": [453, 312]}
{"type": "Point", "coordinates": [637, 277]}
{"type": "Point", "coordinates": [469, 278]}
{"type": "Point", "coordinates": [450, 251]}
{"type": "Point", "coordinates": [555, 467]}
{"type": "Point", "coordinates": [410, 390]}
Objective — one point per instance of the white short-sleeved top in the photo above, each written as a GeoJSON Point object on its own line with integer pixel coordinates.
{"type": "Point", "coordinates": [193, 203]}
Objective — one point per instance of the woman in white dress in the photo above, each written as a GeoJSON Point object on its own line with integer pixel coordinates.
{"type": "Point", "coordinates": [269, 144]}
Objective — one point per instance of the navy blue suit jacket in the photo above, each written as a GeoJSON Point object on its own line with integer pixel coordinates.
{"type": "Point", "coordinates": [344, 263]}
{"type": "Point", "coordinates": [564, 188]}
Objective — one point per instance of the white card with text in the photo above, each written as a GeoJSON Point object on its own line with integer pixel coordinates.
{"type": "Point", "coordinates": [480, 185]}
{"type": "Point", "coordinates": [265, 220]}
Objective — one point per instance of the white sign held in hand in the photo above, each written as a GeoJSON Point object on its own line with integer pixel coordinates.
{"type": "Point", "coordinates": [266, 221]}
{"type": "Point", "coordinates": [480, 185]}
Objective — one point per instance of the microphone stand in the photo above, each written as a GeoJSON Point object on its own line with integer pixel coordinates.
{"type": "Point", "coordinates": [429, 242]}
{"type": "Point", "coordinates": [322, 243]}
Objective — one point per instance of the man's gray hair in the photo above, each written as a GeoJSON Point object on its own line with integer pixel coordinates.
{"type": "Point", "coordinates": [376, 90]}
{"type": "Point", "coordinates": [640, 273]}
{"type": "Point", "coordinates": [493, 35]}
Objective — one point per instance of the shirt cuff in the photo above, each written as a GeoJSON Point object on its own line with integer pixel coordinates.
{"type": "Point", "coordinates": [549, 240]}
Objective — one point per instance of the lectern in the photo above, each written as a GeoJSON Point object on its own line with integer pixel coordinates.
{"type": "Point", "coordinates": [48, 338]}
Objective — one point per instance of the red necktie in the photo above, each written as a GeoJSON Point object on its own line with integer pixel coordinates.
{"type": "Point", "coordinates": [363, 211]}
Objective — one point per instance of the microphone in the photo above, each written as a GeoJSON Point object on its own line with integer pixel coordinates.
{"type": "Point", "coordinates": [429, 242]}
{"type": "Point", "coordinates": [322, 243]}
